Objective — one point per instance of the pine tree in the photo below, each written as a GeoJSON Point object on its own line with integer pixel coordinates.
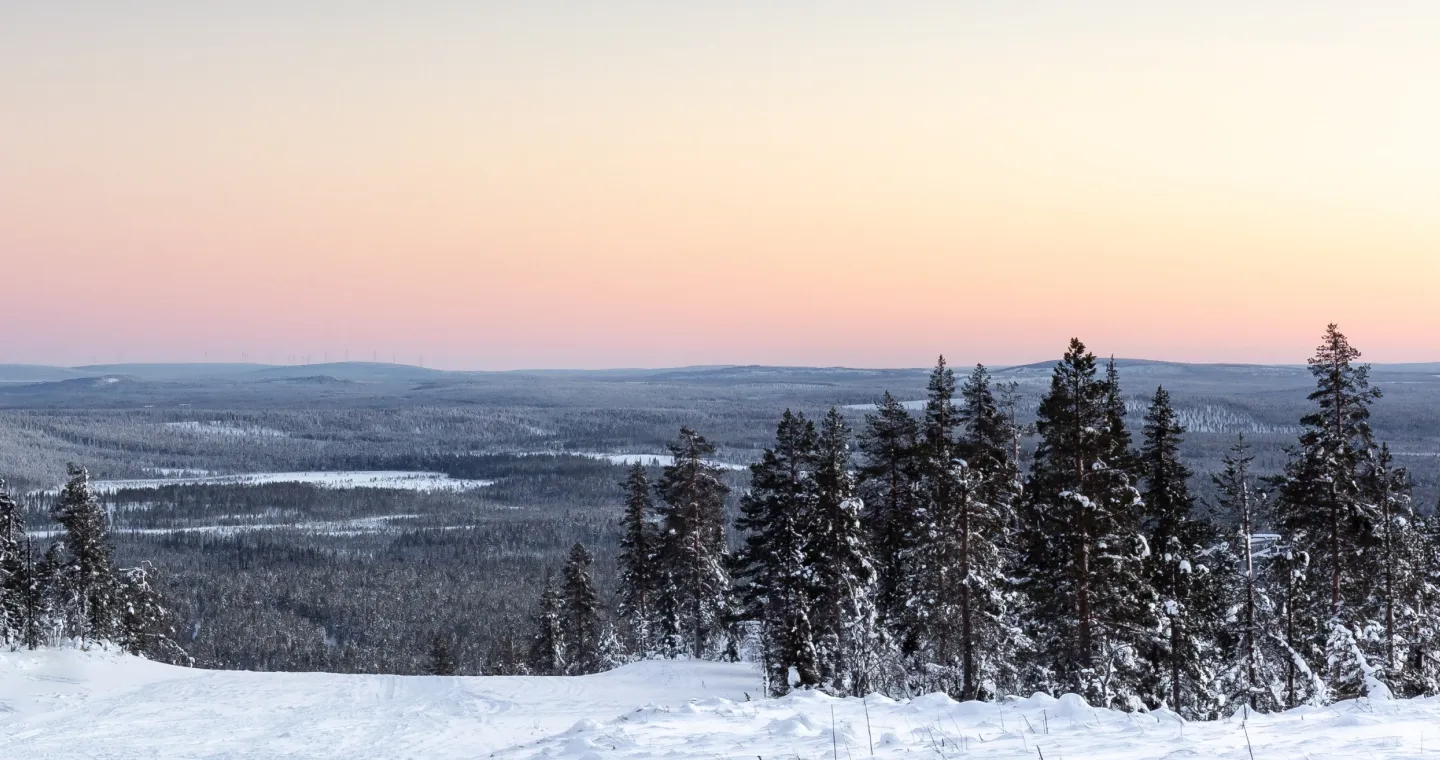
{"type": "Point", "coordinates": [888, 480]}
{"type": "Point", "coordinates": [438, 660]}
{"type": "Point", "coordinates": [87, 587]}
{"type": "Point", "coordinates": [584, 617]}
{"type": "Point", "coordinates": [638, 577]}
{"type": "Point", "coordinates": [548, 642]}
{"type": "Point", "coordinates": [1183, 567]}
{"type": "Point", "coordinates": [1324, 516]}
{"type": "Point", "coordinates": [693, 551]}
{"type": "Point", "coordinates": [849, 644]}
{"type": "Point", "coordinates": [1091, 605]}
{"type": "Point", "coordinates": [777, 580]}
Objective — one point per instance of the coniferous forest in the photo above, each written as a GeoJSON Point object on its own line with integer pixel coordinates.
{"type": "Point", "coordinates": [917, 554]}
{"type": "Point", "coordinates": [952, 548]}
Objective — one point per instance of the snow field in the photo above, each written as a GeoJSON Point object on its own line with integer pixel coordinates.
{"type": "Point", "coordinates": [813, 726]}
{"type": "Point", "coordinates": [402, 480]}
{"type": "Point", "coordinates": [71, 704]}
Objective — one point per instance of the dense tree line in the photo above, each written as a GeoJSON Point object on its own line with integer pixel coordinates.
{"type": "Point", "coordinates": [73, 590]}
{"type": "Point", "coordinates": [935, 560]}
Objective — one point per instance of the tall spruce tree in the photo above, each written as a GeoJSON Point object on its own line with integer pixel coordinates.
{"type": "Point", "coordinates": [639, 575]}
{"type": "Point", "coordinates": [1185, 568]}
{"type": "Point", "coordinates": [982, 545]}
{"type": "Point", "coordinates": [584, 615]}
{"type": "Point", "coordinates": [693, 552]}
{"type": "Point", "coordinates": [1091, 606]}
{"type": "Point", "coordinates": [774, 565]}
{"type": "Point", "coordinates": [848, 642]}
{"type": "Point", "coordinates": [1324, 516]}
{"type": "Point", "coordinates": [934, 576]}
{"type": "Point", "coordinates": [87, 588]}
{"type": "Point", "coordinates": [888, 480]}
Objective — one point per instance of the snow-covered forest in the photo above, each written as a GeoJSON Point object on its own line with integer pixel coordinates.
{"type": "Point", "coordinates": [956, 549]}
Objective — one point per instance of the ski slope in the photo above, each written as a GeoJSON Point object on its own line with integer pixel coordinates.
{"type": "Point", "coordinates": [72, 704]}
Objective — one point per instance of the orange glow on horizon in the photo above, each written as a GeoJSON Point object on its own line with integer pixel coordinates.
{"type": "Point", "coordinates": [650, 185]}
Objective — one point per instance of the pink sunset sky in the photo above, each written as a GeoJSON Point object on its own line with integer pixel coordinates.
{"type": "Point", "coordinates": [496, 185]}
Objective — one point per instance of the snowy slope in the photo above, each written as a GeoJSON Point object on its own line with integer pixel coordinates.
{"type": "Point", "coordinates": [69, 704]}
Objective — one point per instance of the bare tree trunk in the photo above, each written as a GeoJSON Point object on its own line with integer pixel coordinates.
{"type": "Point", "coordinates": [966, 627]}
{"type": "Point", "coordinates": [1245, 534]}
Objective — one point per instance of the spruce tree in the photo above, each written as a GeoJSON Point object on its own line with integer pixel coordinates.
{"type": "Point", "coordinates": [639, 577]}
{"type": "Point", "coordinates": [934, 578]}
{"type": "Point", "coordinates": [693, 550]}
{"type": "Point", "coordinates": [439, 661]}
{"type": "Point", "coordinates": [146, 625]}
{"type": "Point", "coordinates": [1324, 516]}
{"type": "Point", "coordinates": [14, 564]}
{"type": "Point", "coordinates": [888, 479]}
{"type": "Point", "coordinates": [1250, 674]}
{"type": "Point", "coordinates": [1184, 567]}
{"type": "Point", "coordinates": [990, 626]}
{"type": "Point", "coordinates": [959, 601]}
{"type": "Point", "coordinates": [1120, 456]}
{"type": "Point", "coordinates": [1091, 606]}
{"type": "Point", "coordinates": [583, 616]}
{"type": "Point", "coordinates": [548, 640]}
{"type": "Point", "coordinates": [88, 590]}
{"type": "Point", "coordinates": [1400, 595]}
{"type": "Point", "coordinates": [960, 593]}
{"type": "Point", "coordinates": [776, 577]}
{"type": "Point", "coordinates": [1421, 669]}
{"type": "Point", "coordinates": [848, 641]}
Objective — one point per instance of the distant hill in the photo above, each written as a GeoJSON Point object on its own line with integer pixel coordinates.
{"type": "Point", "coordinates": [35, 373]}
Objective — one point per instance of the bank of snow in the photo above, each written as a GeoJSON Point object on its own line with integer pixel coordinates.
{"type": "Point", "coordinates": [75, 704]}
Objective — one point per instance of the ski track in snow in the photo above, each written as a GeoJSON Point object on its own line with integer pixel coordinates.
{"type": "Point", "coordinates": [69, 704]}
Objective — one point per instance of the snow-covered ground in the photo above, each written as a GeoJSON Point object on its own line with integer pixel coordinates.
{"type": "Point", "coordinates": [407, 481]}
{"type": "Point", "coordinates": [71, 704]}
{"type": "Point", "coordinates": [649, 460]}
{"type": "Point", "coordinates": [654, 460]}
{"type": "Point", "coordinates": [226, 429]}
{"type": "Point", "coordinates": [913, 405]}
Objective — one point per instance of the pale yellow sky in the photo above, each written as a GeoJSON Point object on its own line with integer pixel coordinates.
{"type": "Point", "coordinates": [645, 183]}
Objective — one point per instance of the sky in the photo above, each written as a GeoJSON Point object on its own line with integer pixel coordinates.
{"type": "Point", "coordinates": [497, 185]}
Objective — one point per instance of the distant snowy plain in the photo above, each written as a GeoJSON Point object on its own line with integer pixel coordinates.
{"type": "Point", "coordinates": [402, 480]}
{"type": "Point", "coordinates": [72, 704]}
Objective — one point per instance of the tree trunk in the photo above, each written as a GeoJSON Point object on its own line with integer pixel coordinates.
{"type": "Point", "coordinates": [1251, 676]}
{"type": "Point", "coordinates": [966, 630]}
